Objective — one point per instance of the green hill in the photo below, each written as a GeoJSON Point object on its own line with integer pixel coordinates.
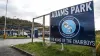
{"type": "Point", "coordinates": [17, 22]}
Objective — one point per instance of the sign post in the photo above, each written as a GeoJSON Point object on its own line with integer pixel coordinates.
{"type": "Point", "coordinates": [62, 46]}
{"type": "Point", "coordinates": [73, 25]}
{"type": "Point", "coordinates": [43, 30]}
{"type": "Point", "coordinates": [32, 30]}
{"type": "Point", "coordinates": [94, 51]}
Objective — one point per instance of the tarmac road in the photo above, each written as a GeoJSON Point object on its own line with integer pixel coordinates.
{"type": "Point", "coordinates": [5, 49]}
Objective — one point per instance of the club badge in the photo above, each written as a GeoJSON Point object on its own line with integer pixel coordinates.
{"type": "Point", "coordinates": [69, 27]}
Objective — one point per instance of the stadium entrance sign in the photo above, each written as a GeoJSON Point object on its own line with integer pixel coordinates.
{"type": "Point", "coordinates": [73, 25]}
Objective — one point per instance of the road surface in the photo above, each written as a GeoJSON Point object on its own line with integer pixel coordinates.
{"type": "Point", "coordinates": [5, 49]}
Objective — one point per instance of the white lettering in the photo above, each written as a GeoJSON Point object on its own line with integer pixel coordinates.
{"type": "Point", "coordinates": [77, 10]}
{"type": "Point", "coordinates": [69, 40]}
{"type": "Point", "coordinates": [62, 12]}
{"type": "Point", "coordinates": [66, 11]}
{"type": "Point", "coordinates": [84, 42]}
{"type": "Point", "coordinates": [88, 7]}
{"type": "Point", "coordinates": [72, 10]}
{"type": "Point", "coordinates": [52, 15]}
{"type": "Point", "coordinates": [59, 14]}
{"type": "Point", "coordinates": [82, 8]}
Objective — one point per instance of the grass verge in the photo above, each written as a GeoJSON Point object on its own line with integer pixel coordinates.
{"type": "Point", "coordinates": [15, 37]}
{"type": "Point", "coordinates": [97, 44]}
{"type": "Point", "coordinates": [70, 50]}
{"type": "Point", "coordinates": [54, 50]}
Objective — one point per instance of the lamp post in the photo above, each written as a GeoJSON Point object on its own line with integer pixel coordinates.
{"type": "Point", "coordinates": [5, 20]}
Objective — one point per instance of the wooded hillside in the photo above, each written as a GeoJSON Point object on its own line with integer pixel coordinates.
{"type": "Point", "coordinates": [16, 23]}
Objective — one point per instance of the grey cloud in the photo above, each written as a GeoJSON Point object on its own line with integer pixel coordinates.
{"type": "Point", "coordinates": [14, 11]}
{"type": "Point", "coordinates": [97, 9]}
{"type": "Point", "coordinates": [2, 6]}
{"type": "Point", "coordinates": [10, 9]}
{"type": "Point", "coordinates": [97, 4]}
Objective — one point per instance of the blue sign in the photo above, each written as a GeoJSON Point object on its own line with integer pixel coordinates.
{"type": "Point", "coordinates": [73, 25]}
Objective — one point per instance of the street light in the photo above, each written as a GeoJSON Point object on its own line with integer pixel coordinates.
{"type": "Point", "coordinates": [5, 20]}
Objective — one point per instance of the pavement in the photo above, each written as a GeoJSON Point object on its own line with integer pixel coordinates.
{"type": "Point", "coordinates": [6, 50]}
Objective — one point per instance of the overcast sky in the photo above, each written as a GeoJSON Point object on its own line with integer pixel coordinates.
{"type": "Point", "coordinates": [27, 9]}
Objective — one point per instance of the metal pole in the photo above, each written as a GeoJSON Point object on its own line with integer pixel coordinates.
{"type": "Point", "coordinates": [42, 16]}
{"type": "Point", "coordinates": [32, 30]}
{"type": "Point", "coordinates": [62, 47]}
{"type": "Point", "coordinates": [49, 29]}
{"type": "Point", "coordinates": [43, 29]}
{"type": "Point", "coordinates": [94, 51]}
{"type": "Point", "coordinates": [5, 21]}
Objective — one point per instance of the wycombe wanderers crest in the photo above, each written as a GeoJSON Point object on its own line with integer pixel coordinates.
{"type": "Point", "coordinates": [69, 27]}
